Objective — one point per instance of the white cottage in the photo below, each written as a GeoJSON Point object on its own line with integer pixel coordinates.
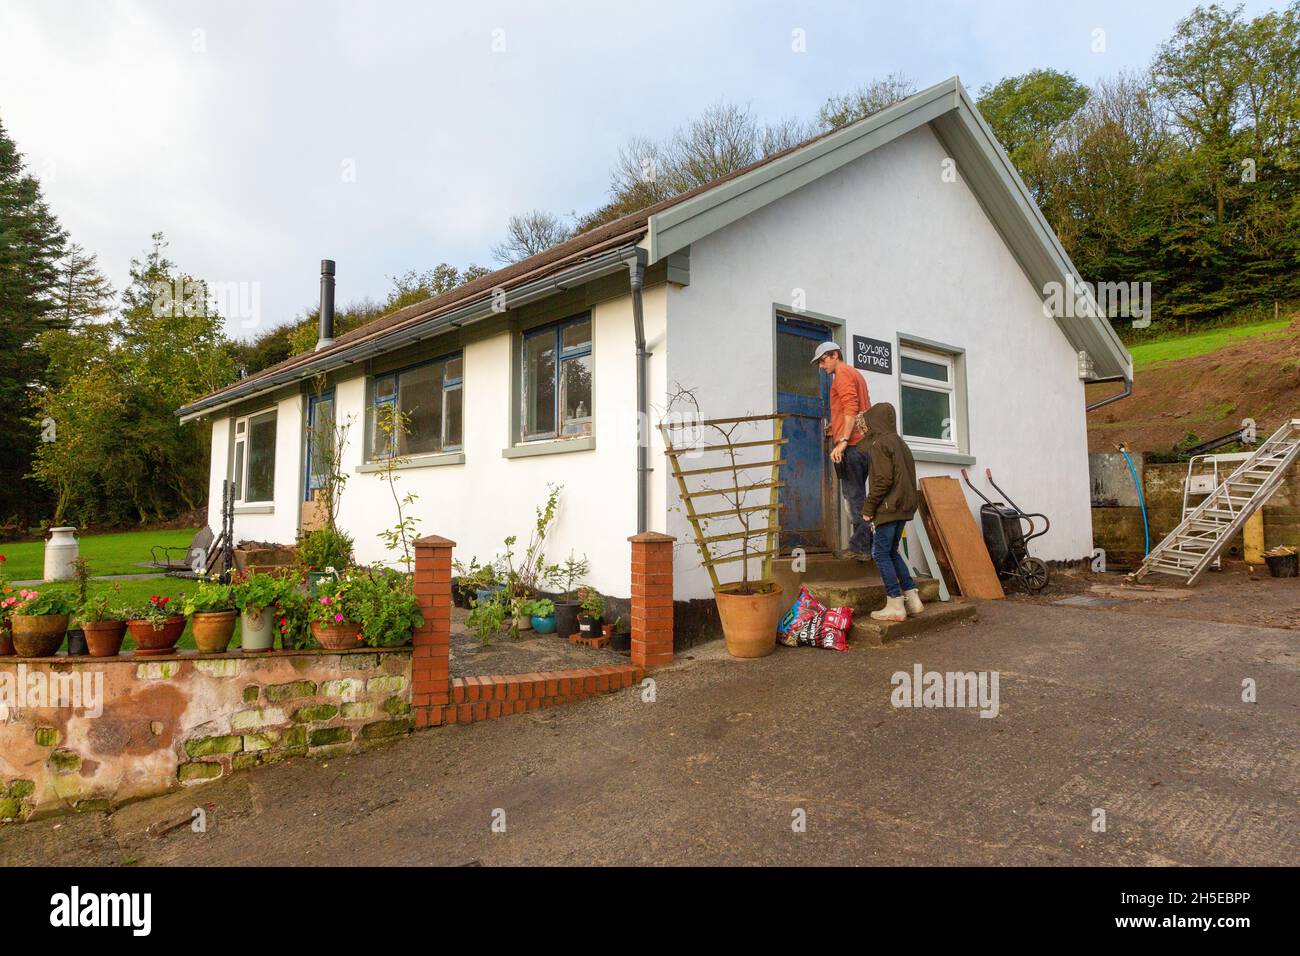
{"type": "Point", "coordinates": [907, 237]}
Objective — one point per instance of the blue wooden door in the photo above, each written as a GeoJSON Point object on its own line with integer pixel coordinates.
{"type": "Point", "coordinates": [801, 393]}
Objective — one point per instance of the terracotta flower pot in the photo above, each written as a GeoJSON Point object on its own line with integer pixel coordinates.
{"type": "Point", "coordinates": [38, 635]}
{"type": "Point", "coordinates": [749, 620]}
{"type": "Point", "coordinates": [213, 630]}
{"type": "Point", "coordinates": [336, 637]}
{"type": "Point", "coordinates": [6, 641]}
{"type": "Point", "coordinates": [153, 642]}
{"type": "Point", "coordinates": [104, 638]}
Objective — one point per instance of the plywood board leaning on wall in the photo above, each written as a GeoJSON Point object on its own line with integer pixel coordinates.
{"type": "Point", "coordinates": [959, 546]}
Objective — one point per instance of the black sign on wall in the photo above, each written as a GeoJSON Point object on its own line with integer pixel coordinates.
{"type": "Point", "coordinates": [873, 355]}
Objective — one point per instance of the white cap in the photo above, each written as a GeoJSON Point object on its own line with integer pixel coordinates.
{"type": "Point", "coordinates": [824, 348]}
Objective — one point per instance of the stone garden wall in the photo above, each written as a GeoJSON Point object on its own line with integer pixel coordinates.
{"type": "Point", "coordinates": [88, 734]}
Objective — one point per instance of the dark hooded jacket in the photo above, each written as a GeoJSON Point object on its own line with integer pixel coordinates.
{"type": "Point", "coordinates": [891, 494]}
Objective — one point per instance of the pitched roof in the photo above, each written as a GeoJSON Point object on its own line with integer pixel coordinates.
{"type": "Point", "coordinates": [674, 223]}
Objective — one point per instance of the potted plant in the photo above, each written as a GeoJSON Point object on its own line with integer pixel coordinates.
{"type": "Point", "coordinates": [290, 618]}
{"type": "Point", "coordinates": [566, 577]}
{"type": "Point", "coordinates": [76, 635]}
{"type": "Point", "coordinates": [382, 601]}
{"type": "Point", "coordinates": [487, 617]}
{"type": "Point", "coordinates": [328, 614]}
{"type": "Point", "coordinates": [323, 553]}
{"type": "Point", "coordinates": [211, 610]}
{"type": "Point", "coordinates": [256, 596]}
{"type": "Point", "coordinates": [38, 620]}
{"type": "Point", "coordinates": [103, 623]}
{"type": "Point", "coordinates": [541, 614]}
{"type": "Point", "coordinates": [523, 620]}
{"type": "Point", "coordinates": [591, 612]}
{"type": "Point", "coordinates": [155, 627]}
{"type": "Point", "coordinates": [7, 600]}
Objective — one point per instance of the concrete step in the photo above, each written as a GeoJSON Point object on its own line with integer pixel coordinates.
{"type": "Point", "coordinates": [872, 633]}
{"type": "Point", "coordinates": [863, 594]}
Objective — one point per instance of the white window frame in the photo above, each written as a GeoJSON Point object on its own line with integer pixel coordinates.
{"type": "Point", "coordinates": [241, 440]}
{"type": "Point", "coordinates": [934, 357]}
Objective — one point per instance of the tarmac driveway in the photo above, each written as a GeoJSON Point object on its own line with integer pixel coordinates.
{"type": "Point", "coordinates": [1140, 716]}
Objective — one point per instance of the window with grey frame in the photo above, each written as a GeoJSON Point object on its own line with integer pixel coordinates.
{"type": "Point", "coordinates": [430, 398]}
{"type": "Point", "coordinates": [555, 381]}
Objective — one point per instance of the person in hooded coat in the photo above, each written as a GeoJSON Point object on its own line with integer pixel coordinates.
{"type": "Point", "coordinates": [891, 501]}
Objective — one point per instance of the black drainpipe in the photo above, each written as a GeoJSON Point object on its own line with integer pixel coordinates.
{"type": "Point", "coordinates": [636, 268]}
{"type": "Point", "coordinates": [326, 336]}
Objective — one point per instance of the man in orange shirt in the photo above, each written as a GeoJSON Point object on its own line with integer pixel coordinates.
{"type": "Point", "coordinates": [848, 451]}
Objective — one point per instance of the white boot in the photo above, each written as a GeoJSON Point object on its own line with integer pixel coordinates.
{"type": "Point", "coordinates": [912, 601]}
{"type": "Point", "coordinates": [892, 611]}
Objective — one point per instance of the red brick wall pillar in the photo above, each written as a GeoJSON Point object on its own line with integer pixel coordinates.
{"type": "Point", "coordinates": [431, 658]}
{"type": "Point", "coordinates": [652, 599]}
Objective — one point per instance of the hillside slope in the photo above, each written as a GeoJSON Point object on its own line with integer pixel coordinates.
{"type": "Point", "coordinates": [1208, 394]}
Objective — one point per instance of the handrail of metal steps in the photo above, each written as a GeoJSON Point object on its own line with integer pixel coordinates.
{"type": "Point", "coordinates": [1194, 545]}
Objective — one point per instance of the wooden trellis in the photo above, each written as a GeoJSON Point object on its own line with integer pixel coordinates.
{"type": "Point", "coordinates": [741, 485]}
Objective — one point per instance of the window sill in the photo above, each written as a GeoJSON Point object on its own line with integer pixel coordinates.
{"type": "Point", "coordinates": [934, 456]}
{"type": "Point", "coordinates": [416, 461]}
{"type": "Point", "coordinates": [555, 446]}
{"type": "Point", "coordinates": [254, 509]}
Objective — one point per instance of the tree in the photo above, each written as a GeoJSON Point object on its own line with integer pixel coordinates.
{"type": "Point", "coordinates": [527, 235]}
{"type": "Point", "coordinates": [870, 97]}
{"type": "Point", "coordinates": [31, 244]}
{"type": "Point", "coordinates": [118, 450]}
{"type": "Point", "coordinates": [1025, 113]}
{"type": "Point", "coordinates": [721, 140]}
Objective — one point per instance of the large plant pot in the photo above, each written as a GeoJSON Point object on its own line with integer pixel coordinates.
{"type": "Point", "coordinates": [6, 641]}
{"type": "Point", "coordinates": [523, 622]}
{"type": "Point", "coordinates": [589, 626]}
{"type": "Point", "coordinates": [153, 641]}
{"type": "Point", "coordinates": [38, 635]}
{"type": "Point", "coordinates": [336, 637]}
{"type": "Point", "coordinates": [213, 630]}
{"type": "Point", "coordinates": [749, 620]}
{"type": "Point", "coordinates": [257, 630]}
{"type": "Point", "coordinates": [566, 617]}
{"type": "Point", "coordinates": [104, 638]}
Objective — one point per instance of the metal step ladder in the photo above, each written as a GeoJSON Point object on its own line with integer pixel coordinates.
{"type": "Point", "coordinates": [1195, 544]}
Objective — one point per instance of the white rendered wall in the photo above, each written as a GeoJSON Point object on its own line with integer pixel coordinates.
{"type": "Point", "coordinates": [885, 245]}
{"type": "Point", "coordinates": [478, 503]}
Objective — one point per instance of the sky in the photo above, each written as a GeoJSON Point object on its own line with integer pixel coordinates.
{"type": "Point", "coordinates": [262, 137]}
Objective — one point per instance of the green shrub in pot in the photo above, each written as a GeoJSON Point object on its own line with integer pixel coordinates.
{"type": "Point", "coordinates": [38, 621]}
{"type": "Point", "coordinates": [382, 602]}
{"type": "Point", "coordinates": [211, 610]}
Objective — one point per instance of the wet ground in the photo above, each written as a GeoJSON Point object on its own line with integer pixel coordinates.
{"type": "Point", "coordinates": [802, 758]}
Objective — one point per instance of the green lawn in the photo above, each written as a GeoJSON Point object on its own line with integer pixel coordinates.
{"type": "Point", "coordinates": [1187, 346]}
{"type": "Point", "coordinates": [107, 553]}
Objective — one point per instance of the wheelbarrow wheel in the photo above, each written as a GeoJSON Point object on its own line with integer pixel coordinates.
{"type": "Point", "coordinates": [1032, 573]}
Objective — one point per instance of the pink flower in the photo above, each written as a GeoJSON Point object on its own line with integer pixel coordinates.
{"type": "Point", "coordinates": [338, 618]}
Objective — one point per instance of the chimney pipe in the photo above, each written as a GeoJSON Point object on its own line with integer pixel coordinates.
{"type": "Point", "coordinates": [326, 337]}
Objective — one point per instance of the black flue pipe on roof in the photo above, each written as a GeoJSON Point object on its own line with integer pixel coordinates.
{"type": "Point", "coordinates": [326, 336]}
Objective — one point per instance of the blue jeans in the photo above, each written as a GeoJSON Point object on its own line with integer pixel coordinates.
{"type": "Point", "coordinates": [884, 551]}
{"type": "Point", "coordinates": [853, 485]}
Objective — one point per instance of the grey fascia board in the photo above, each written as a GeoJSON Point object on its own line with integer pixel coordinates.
{"type": "Point", "coordinates": [679, 225]}
{"type": "Point", "coordinates": [473, 311]}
